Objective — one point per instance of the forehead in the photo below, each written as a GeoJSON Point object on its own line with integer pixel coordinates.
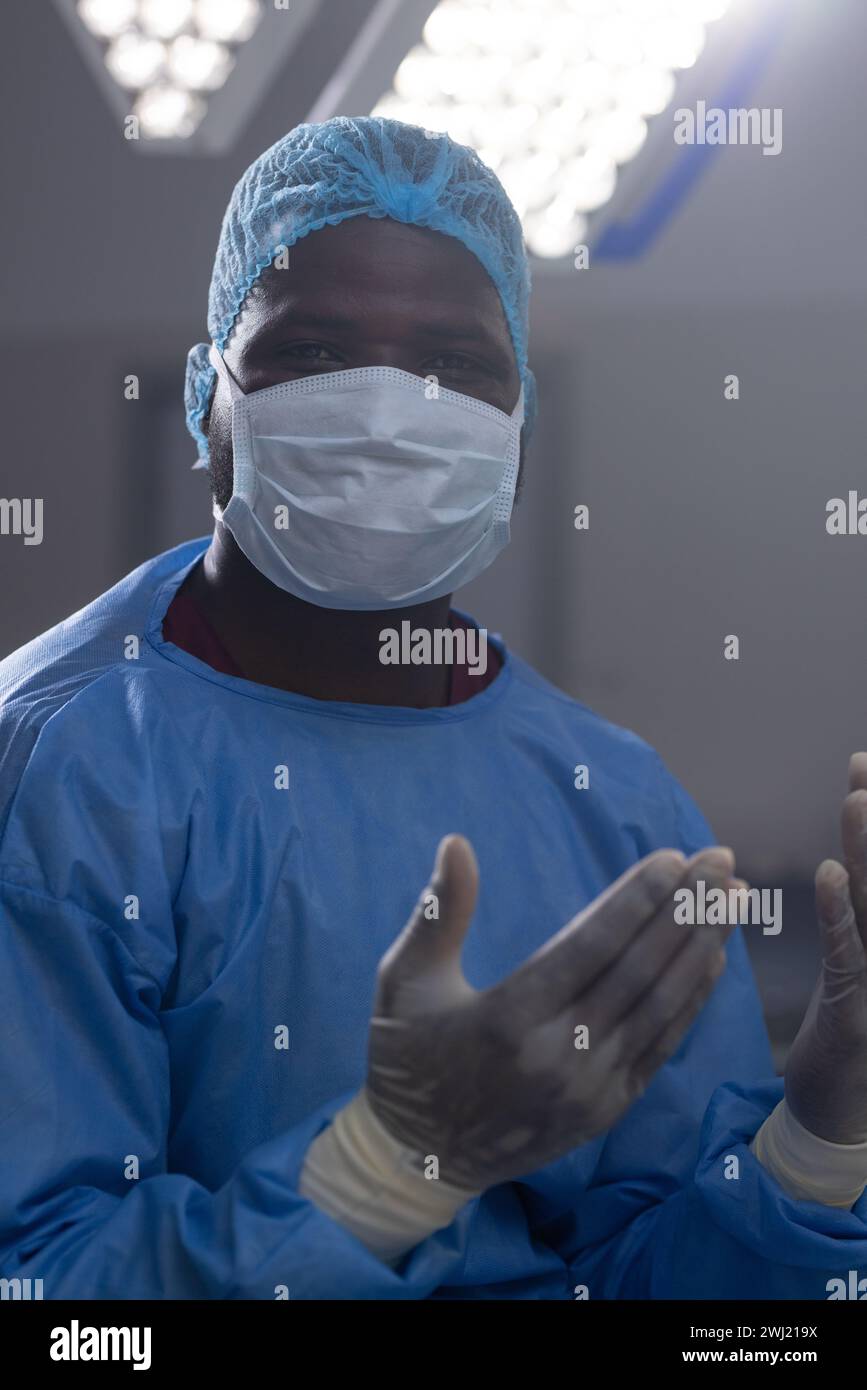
{"type": "Point", "coordinates": [368, 265]}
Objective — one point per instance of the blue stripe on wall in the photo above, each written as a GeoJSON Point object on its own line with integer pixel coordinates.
{"type": "Point", "coordinates": [627, 240]}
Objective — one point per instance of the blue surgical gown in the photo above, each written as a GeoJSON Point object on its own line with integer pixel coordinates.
{"type": "Point", "coordinates": [174, 908]}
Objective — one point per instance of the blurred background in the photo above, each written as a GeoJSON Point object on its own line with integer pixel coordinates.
{"type": "Point", "coordinates": [707, 515]}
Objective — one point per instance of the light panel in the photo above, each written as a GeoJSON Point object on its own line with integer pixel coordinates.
{"type": "Point", "coordinates": [554, 94]}
{"type": "Point", "coordinates": [169, 54]}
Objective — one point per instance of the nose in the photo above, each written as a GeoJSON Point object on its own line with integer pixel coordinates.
{"type": "Point", "coordinates": [386, 353]}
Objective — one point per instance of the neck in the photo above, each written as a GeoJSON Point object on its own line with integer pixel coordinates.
{"type": "Point", "coordinates": [326, 653]}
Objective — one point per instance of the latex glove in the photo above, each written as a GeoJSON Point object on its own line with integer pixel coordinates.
{"type": "Point", "coordinates": [491, 1081]}
{"type": "Point", "coordinates": [826, 1071]}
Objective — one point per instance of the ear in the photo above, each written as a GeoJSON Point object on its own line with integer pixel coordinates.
{"type": "Point", "coordinates": [206, 417]}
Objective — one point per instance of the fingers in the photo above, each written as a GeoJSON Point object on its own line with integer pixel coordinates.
{"type": "Point", "coordinates": [684, 988]}
{"type": "Point", "coordinates": [858, 772]}
{"type": "Point", "coordinates": [597, 941]}
{"type": "Point", "coordinates": [854, 834]}
{"type": "Point", "coordinates": [429, 947]}
{"type": "Point", "coordinates": [587, 945]}
{"type": "Point", "coordinates": [455, 885]}
{"type": "Point", "coordinates": [666, 1043]}
{"type": "Point", "coordinates": [651, 968]}
{"type": "Point", "coordinates": [445, 909]}
{"type": "Point", "coordinates": [842, 950]}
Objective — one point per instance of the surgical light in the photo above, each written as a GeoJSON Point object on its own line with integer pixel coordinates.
{"type": "Point", "coordinates": [200, 64]}
{"type": "Point", "coordinates": [164, 19]}
{"type": "Point", "coordinates": [107, 18]}
{"type": "Point", "coordinates": [135, 61]}
{"type": "Point", "coordinates": [554, 94]}
{"type": "Point", "coordinates": [167, 112]}
{"type": "Point", "coordinates": [170, 54]}
{"type": "Point", "coordinates": [227, 21]}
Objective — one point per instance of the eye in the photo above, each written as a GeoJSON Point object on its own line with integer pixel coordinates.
{"type": "Point", "coordinates": [455, 363]}
{"type": "Point", "coordinates": [313, 353]}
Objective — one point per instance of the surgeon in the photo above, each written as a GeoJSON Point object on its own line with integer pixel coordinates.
{"type": "Point", "coordinates": [319, 977]}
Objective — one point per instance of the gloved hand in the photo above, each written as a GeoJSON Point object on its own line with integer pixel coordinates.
{"type": "Point", "coordinates": [491, 1081]}
{"type": "Point", "coordinates": [826, 1071]}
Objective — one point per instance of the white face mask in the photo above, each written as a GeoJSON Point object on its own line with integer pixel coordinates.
{"type": "Point", "coordinates": [354, 490]}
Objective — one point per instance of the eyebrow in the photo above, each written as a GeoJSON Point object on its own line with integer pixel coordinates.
{"type": "Point", "coordinates": [311, 317]}
{"type": "Point", "coordinates": [465, 333]}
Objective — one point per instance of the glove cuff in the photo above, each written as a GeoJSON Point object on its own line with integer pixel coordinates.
{"type": "Point", "coordinates": [375, 1188]}
{"type": "Point", "coordinates": [807, 1167]}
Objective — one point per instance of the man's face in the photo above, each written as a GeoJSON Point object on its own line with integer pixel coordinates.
{"type": "Point", "coordinates": [369, 292]}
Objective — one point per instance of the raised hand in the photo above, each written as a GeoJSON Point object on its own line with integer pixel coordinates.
{"type": "Point", "coordinates": [491, 1081]}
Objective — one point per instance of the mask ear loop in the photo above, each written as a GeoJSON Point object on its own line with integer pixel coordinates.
{"type": "Point", "coordinates": [506, 491]}
{"type": "Point", "coordinates": [215, 357]}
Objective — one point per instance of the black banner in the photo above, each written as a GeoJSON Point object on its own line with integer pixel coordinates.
{"type": "Point", "coordinates": [77, 1337]}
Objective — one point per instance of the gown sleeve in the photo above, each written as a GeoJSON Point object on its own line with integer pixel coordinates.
{"type": "Point", "coordinates": [86, 1201]}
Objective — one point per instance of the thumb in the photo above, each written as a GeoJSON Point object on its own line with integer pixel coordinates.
{"type": "Point", "coordinates": [430, 943]}
{"type": "Point", "coordinates": [455, 888]}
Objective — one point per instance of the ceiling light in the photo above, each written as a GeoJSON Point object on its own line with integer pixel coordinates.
{"type": "Point", "coordinates": [554, 94]}
{"type": "Point", "coordinates": [107, 18]}
{"type": "Point", "coordinates": [227, 21]}
{"type": "Point", "coordinates": [167, 112]}
{"type": "Point", "coordinates": [164, 19]}
{"type": "Point", "coordinates": [135, 61]}
{"type": "Point", "coordinates": [166, 52]}
{"type": "Point", "coordinates": [200, 64]}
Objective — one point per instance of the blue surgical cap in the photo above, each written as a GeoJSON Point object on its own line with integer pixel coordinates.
{"type": "Point", "coordinates": [318, 175]}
